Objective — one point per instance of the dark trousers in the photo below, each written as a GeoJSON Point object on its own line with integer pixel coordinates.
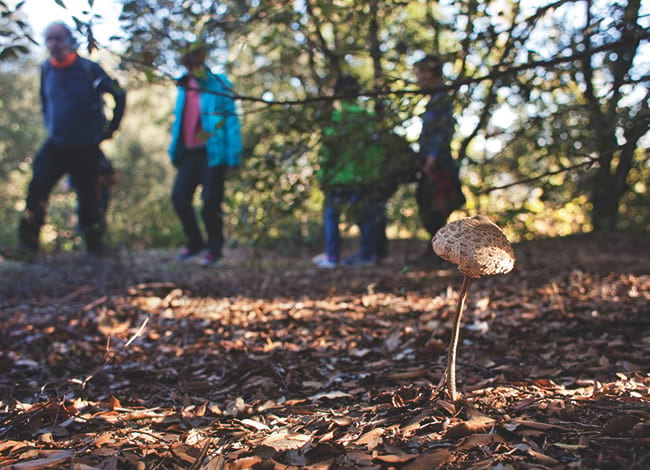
{"type": "Point", "coordinates": [193, 170]}
{"type": "Point", "coordinates": [438, 194]}
{"type": "Point", "coordinates": [50, 164]}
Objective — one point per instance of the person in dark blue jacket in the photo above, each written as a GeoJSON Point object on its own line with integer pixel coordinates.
{"type": "Point", "coordinates": [206, 143]}
{"type": "Point", "coordinates": [439, 191]}
{"type": "Point", "coordinates": [73, 109]}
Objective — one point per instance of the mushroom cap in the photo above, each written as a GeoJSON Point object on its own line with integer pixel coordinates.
{"type": "Point", "coordinates": [477, 245]}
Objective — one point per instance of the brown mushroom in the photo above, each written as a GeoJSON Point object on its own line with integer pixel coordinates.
{"type": "Point", "coordinates": [479, 247]}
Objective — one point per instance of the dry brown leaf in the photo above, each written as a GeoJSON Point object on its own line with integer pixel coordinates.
{"type": "Point", "coordinates": [430, 461]}
{"type": "Point", "coordinates": [46, 459]}
{"type": "Point", "coordinates": [244, 463]}
{"type": "Point", "coordinates": [537, 425]}
{"type": "Point", "coordinates": [11, 445]}
{"type": "Point", "coordinates": [215, 463]}
{"type": "Point", "coordinates": [330, 395]}
{"type": "Point", "coordinates": [283, 440]}
{"type": "Point", "coordinates": [341, 420]}
{"type": "Point", "coordinates": [102, 439]}
{"type": "Point", "coordinates": [480, 440]}
{"type": "Point", "coordinates": [542, 458]}
{"type": "Point", "coordinates": [251, 423]}
{"type": "Point", "coordinates": [360, 458]}
{"type": "Point", "coordinates": [477, 423]}
{"type": "Point", "coordinates": [619, 425]}
{"type": "Point", "coordinates": [394, 458]}
{"type": "Point", "coordinates": [371, 439]}
{"type": "Point", "coordinates": [185, 452]}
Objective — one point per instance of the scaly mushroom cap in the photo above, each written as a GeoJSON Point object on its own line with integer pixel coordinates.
{"type": "Point", "coordinates": [477, 245]}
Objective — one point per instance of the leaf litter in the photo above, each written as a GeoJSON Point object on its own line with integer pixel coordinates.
{"type": "Point", "coordinates": [139, 362]}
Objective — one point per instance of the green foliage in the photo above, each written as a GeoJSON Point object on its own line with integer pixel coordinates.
{"type": "Point", "coordinates": [563, 132]}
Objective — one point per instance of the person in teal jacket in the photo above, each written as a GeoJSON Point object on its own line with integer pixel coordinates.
{"type": "Point", "coordinates": [206, 143]}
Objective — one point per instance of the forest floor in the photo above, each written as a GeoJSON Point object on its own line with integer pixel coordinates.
{"type": "Point", "coordinates": [137, 361]}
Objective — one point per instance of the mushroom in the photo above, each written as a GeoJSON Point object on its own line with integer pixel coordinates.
{"type": "Point", "coordinates": [479, 247]}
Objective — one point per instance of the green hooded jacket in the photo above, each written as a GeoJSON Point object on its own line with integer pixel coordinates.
{"type": "Point", "coordinates": [350, 154]}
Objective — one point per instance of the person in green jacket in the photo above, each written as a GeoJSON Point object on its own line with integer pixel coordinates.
{"type": "Point", "coordinates": [206, 143]}
{"type": "Point", "coordinates": [350, 174]}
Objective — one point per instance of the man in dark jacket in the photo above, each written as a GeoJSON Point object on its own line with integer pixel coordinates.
{"type": "Point", "coordinates": [439, 190]}
{"type": "Point", "coordinates": [71, 97]}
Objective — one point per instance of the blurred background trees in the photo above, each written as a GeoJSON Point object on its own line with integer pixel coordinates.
{"type": "Point", "coordinates": [551, 100]}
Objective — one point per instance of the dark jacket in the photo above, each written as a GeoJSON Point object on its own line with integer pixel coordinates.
{"type": "Point", "coordinates": [72, 103]}
{"type": "Point", "coordinates": [437, 132]}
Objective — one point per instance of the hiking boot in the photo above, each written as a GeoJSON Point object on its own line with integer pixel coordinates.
{"type": "Point", "coordinates": [187, 254]}
{"type": "Point", "coordinates": [358, 261]}
{"type": "Point", "coordinates": [209, 259]}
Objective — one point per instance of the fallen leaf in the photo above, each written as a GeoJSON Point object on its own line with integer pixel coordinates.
{"type": "Point", "coordinates": [477, 423]}
{"type": "Point", "coordinates": [251, 423]}
{"type": "Point", "coordinates": [49, 459]}
{"type": "Point", "coordinates": [480, 440]}
{"type": "Point", "coordinates": [619, 425]}
{"type": "Point", "coordinates": [282, 440]}
{"type": "Point", "coordinates": [430, 461]}
{"type": "Point", "coordinates": [394, 458]}
{"type": "Point", "coordinates": [371, 439]}
{"type": "Point", "coordinates": [330, 395]}
{"type": "Point", "coordinates": [537, 425]}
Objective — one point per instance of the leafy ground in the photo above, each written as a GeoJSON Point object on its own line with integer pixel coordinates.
{"type": "Point", "coordinates": [139, 362]}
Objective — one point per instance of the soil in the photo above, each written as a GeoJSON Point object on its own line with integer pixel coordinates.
{"type": "Point", "coordinates": [265, 362]}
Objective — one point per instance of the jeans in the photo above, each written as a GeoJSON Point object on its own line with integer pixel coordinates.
{"type": "Point", "coordinates": [369, 212]}
{"type": "Point", "coordinates": [193, 170]}
{"type": "Point", "coordinates": [50, 164]}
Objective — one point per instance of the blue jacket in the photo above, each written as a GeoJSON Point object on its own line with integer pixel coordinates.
{"type": "Point", "coordinates": [72, 103]}
{"type": "Point", "coordinates": [218, 118]}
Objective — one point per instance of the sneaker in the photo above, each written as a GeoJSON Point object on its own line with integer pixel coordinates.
{"type": "Point", "coordinates": [186, 254]}
{"type": "Point", "coordinates": [357, 260]}
{"type": "Point", "coordinates": [323, 261]}
{"type": "Point", "coordinates": [209, 259]}
{"type": "Point", "coordinates": [319, 257]}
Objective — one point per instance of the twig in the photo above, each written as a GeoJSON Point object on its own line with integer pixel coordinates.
{"type": "Point", "coordinates": [137, 333]}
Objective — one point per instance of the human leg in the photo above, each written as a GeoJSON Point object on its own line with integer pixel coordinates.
{"type": "Point", "coordinates": [368, 217]}
{"type": "Point", "coordinates": [47, 168]}
{"type": "Point", "coordinates": [83, 166]}
{"type": "Point", "coordinates": [185, 184]}
{"type": "Point", "coordinates": [432, 217]}
{"type": "Point", "coordinates": [212, 214]}
{"type": "Point", "coordinates": [370, 225]}
{"type": "Point", "coordinates": [382, 240]}
{"type": "Point", "coordinates": [331, 216]}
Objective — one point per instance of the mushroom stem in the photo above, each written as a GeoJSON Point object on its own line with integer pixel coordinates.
{"type": "Point", "coordinates": [450, 373]}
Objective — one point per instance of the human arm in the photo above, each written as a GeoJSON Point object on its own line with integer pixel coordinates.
{"type": "Point", "coordinates": [105, 84]}
{"type": "Point", "coordinates": [232, 127]}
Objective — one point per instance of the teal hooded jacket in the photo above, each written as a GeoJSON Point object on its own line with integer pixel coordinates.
{"type": "Point", "coordinates": [218, 119]}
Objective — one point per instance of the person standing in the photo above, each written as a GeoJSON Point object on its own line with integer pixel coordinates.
{"type": "Point", "coordinates": [438, 192]}
{"type": "Point", "coordinates": [206, 142]}
{"type": "Point", "coordinates": [71, 93]}
{"type": "Point", "coordinates": [351, 176]}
